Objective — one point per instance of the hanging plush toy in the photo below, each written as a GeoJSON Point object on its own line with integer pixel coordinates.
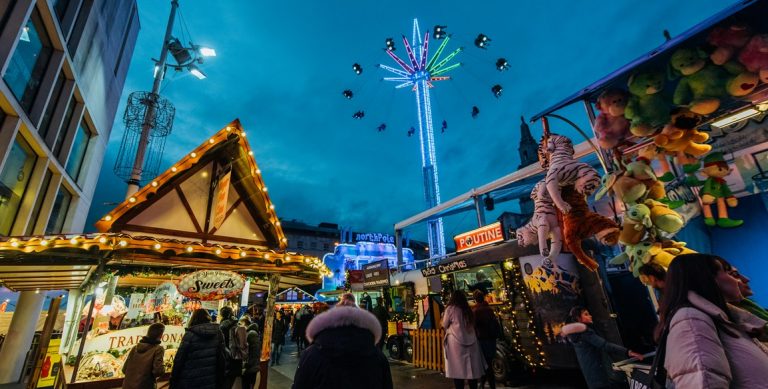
{"type": "Point", "coordinates": [543, 224]}
{"type": "Point", "coordinates": [580, 223]}
{"type": "Point", "coordinates": [611, 128]}
{"type": "Point", "coordinates": [681, 139]}
{"type": "Point", "coordinates": [754, 56]}
{"type": "Point", "coordinates": [703, 84]}
{"type": "Point", "coordinates": [716, 190]}
{"type": "Point", "coordinates": [563, 170]}
{"type": "Point", "coordinates": [647, 109]}
{"type": "Point", "coordinates": [727, 41]}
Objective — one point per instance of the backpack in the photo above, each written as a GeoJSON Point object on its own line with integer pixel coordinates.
{"type": "Point", "coordinates": [238, 345]}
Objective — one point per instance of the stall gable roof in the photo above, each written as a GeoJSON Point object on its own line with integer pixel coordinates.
{"type": "Point", "coordinates": [181, 202]}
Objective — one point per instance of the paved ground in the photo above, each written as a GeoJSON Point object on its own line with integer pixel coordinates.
{"type": "Point", "coordinates": [404, 375]}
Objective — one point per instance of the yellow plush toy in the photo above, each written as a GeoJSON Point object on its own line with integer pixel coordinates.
{"type": "Point", "coordinates": [681, 139]}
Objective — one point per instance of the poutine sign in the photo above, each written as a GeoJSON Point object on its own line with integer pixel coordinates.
{"type": "Point", "coordinates": [480, 237]}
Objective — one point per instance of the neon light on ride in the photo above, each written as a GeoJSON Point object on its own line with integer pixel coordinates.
{"type": "Point", "coordinates": [420, 74]}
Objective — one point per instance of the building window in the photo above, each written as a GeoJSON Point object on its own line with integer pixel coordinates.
{"type": "Point", "coordinates": [60, 7]}
{"type": "Point", "coordinates": [5, 10]}
{"type": "Point", "coordinates": [13, 182]}
{"type": "Point", "coordinates": [79, 147]}
{"type": "Point", "coordinates": [29, 61]}
{"type": "Point", "coordinates": [126, 35]}
{"type": "Point", "coordinates": [326, 247]}
{"type": "Point", "coordinates": [59, 212]}
{"type": "Point", "coordinates": [62, 131]}
{"type": "Point", "coordinates": [39, 203]}
{"type": "Point", "coordinates": [52, 103]}
{"type": "Point", "coordinates": [300, 244]}
{"type": "Point", "coordinates": [313, 245]}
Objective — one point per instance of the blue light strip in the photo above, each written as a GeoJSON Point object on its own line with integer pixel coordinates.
{"type": "Point", "coordinates": [396, 71]}
{"type": "Point", "coordinates": [424, 52]}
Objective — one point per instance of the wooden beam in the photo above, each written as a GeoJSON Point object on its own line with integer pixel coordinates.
{"type": "Point", "coordinates": [190, 212]}
{"type": "Point", "coordinates": [194, 235]}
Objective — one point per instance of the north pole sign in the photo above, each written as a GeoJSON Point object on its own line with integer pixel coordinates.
{"type": "Point", "coordinates": [209, 285]}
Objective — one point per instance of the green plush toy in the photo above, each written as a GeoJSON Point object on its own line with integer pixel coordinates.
{"type": "Point", "coordinates": [647, 109]}
{"type": "Point", "coordinates": [703, 84]}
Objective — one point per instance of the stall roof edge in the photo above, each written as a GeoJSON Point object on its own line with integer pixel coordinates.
{"type": "Point", "coordinates": [664, 47]}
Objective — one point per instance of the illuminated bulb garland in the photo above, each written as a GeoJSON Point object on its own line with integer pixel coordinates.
{"type": "Point", "coordinates": [515, 291]}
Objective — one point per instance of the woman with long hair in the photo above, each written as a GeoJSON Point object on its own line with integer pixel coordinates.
{"type": "Point", "coordinates": [709, 343]}
{"type": "Point", "coordinates": [463, 357]}
{"type": "Point", "coordinates": [200, 360]}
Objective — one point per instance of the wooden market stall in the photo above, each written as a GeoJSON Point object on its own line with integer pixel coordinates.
{"type": "Point", "coordinates": [210, 211]}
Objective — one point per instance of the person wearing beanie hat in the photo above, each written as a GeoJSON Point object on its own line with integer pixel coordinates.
{"type": "Point", "coordinates": [716, 190]}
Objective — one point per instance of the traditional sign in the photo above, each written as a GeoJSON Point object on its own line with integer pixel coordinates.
{"type": "Point", "coordinates": [208, 285]}
{"type": "Point", "coordinates": [104, 355]}
{"type": "Point", "coordinates": [445, 268]}
{"type": "Point", "coordinates": [480, 237]}
{"type": "Point", "coordinates": [376, 274]}
{"type": "Point", "coordinates": [222, 194]}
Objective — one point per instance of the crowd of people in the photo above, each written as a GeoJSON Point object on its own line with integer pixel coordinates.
{"type": "Point", "coordinates": [213, 355]}
{"type": "Point", "coordinates": [710, 334]}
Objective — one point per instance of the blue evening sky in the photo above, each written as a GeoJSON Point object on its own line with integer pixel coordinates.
{"type": "Point", "coordinates": [282, 66]}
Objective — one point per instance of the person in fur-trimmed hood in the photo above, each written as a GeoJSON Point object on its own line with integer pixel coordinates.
{"type": "Point", "coordinates": [343, 353]}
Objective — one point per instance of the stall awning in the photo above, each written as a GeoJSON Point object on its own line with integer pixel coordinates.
{"type": "Point", "coordinates": [750, 12]}
{"type": "Point", "coordinates": [492, 254]}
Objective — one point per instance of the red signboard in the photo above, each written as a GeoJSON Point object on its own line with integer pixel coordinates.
{"type": "Point", "coordinates": [480, 237]}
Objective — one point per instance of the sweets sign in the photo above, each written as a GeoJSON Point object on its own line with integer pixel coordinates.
{"type": "Point", "coordinates": [209, 285]}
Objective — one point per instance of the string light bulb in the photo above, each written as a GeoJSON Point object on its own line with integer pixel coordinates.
{"type": "Point", "coordinates": [108, 217]}
{"type": "Point", "coordinates": [189, 249]}
{"type": "Point", "coordinates": [157, 246]}
{"type": "Point", "coordinates": [44, 242]}
{"type": "Point", "coordinates": [123, 243]}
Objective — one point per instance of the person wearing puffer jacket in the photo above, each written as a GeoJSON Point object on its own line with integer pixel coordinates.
{"type": "Point", "coordinates": [592, 351]}
{"type": "Point", "coordinates": [200, 361]}
{"type": "Point", "coordinates": [343, 353]}
{"type": "Point", "coordinates": [709, 343]}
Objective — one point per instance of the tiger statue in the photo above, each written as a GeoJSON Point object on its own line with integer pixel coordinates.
{"type": "Point", "coordinates": [543, 224]}
{"type": "Point", "coordinates": [563, 170]}
{"type": "Point", "coordinates": [581, 223]}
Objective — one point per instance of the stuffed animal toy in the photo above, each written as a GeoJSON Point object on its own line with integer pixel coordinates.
{"type": "Point", "coordinates": [727, 41]}
{"type": "Point", "coordinates": [702, 84]}
{"type": "Point", "coordinates": [637, 221]}
{"type": "Point", "coordinates": [646, 109]}
{"type": "Point", "coordinates": [627, 189]}
{"type": "Point", "coordinates": [563, 170]}
{"type": "Point", "coordinates": [652, 152]}
{"type": "Point", "coordinates": [716, 190]}
{"type": "Point", "coordinates": [661, 253]}
{"type": "Point", "coordinates": [754, 56]}
{"type": "Point", "coordinates": [580, 223]}
{"type": "Point", "coordinates": [681, 139]}
{"type": "Point", "coordinates": [663, 218]}
{"type": "Point", "coordinates": [611, 127]}
{"type": "Point", "coordinates": [543, 225]}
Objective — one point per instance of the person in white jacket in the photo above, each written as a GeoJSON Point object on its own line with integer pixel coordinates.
{"type": "Point", "coordinates": [463, 356]}
{"type": "Point", "coordinates": [710, 343]}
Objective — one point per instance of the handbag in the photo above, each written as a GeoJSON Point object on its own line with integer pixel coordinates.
{"type": "Point", "coordinates": [658, 374]}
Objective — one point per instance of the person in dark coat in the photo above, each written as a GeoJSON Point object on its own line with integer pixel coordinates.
{"type": "Point", "coordinates": [228, 325]}
{"type": "Point", "coordinates": [343, 353]}
{"type": "Point", "coordinates": [592, 351]}
{"type": "Point", "coordinates": [279, 329]}
{"type": "Point", "coordinates": [254, 354]}
{"type": "Point", "coordinates": [303, 317]}
{"type": "Point", "coordinates": [144, 363]}
{"type": "Point", "coordinates": [488, 330]}
{"type": "Point", "coordinates": [380, 311]}
{"type": "Point", "coordinates": [200, 361]}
